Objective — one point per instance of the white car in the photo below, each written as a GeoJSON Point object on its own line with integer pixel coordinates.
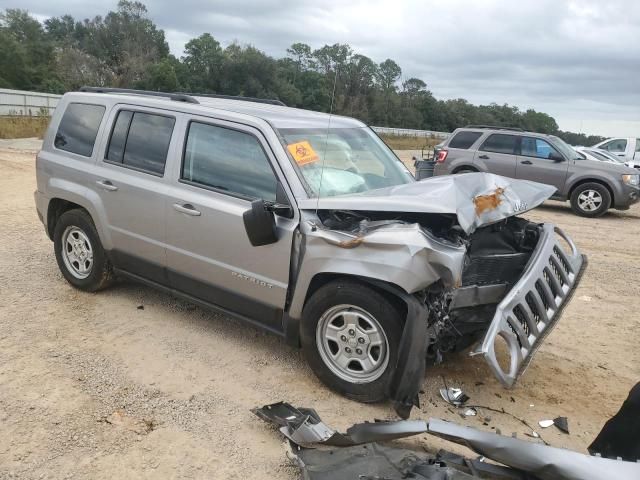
{"type": "Point", "coordinates": [593, 153]}
{"type": "Point", "coordinates": [626, 148]}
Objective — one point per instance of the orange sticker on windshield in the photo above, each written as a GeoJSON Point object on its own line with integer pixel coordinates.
{"type": "Point", "coordinates": [303, 153]}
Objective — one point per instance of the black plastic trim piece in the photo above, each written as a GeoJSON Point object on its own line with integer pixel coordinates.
{"type": "Point", "coordinates": [268, 101]}
{"type": "Point", "coordinates": [178, 97]}
{"type": "Point", "coordinates": [195, 291]}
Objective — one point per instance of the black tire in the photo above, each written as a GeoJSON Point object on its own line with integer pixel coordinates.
{"type": "Point", "coordinates": [388, 316]}
{"type": "Point", "coordinates": [100, 274]}
{"type": "Point", "coordinates": [465, 170]}
{"type": "Point", "coordinates": [580, 208]}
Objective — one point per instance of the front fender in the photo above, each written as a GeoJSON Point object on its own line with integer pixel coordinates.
{"type": "Point", "coordinates": [614, 183]}
{"type": "Point", "coordinates": [391, 252]}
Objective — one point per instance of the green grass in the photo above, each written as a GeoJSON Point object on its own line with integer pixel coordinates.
{"type": "Point", "coordinates": [397, 142]}
{"type": "Point", "coordinates": [23, 127]}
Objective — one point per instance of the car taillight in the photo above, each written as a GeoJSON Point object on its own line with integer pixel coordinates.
{"type": "Point", "coordinates": [442, 156]}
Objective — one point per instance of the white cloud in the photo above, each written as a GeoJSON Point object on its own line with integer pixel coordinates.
{"type": "Point", "coordinates": [574, 59]}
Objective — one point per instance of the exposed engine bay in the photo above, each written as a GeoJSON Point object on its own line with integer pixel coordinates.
{"type": "Point", "coordinates": [469, 272]}
{"type": "Point", "coordinates": [496, 256]}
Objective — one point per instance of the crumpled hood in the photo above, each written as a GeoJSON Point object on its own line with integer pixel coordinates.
{"type": "Point", "coordinates": [477, 199]}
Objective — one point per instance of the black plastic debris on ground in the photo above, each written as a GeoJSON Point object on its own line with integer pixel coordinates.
{"type": "Point", "coordinates": [367, 461]}
{"type": "Point", "coordinates": [304, 427]}
{"type": "Point", "coordinates": [373, 462]}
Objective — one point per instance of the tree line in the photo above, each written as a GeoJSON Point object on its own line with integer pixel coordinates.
{"type": "Point", "coordinates": [126, 49]}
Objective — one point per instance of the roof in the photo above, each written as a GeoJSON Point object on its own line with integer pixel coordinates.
{"type": "Point", "coordinates": [277, 115]}
{"type": "Point", "coordinates": [503, 130]}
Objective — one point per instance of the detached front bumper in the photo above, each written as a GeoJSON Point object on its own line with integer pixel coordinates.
{"type": "Point", "coordinates": [534, 305]}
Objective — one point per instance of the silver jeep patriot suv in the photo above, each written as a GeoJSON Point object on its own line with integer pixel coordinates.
{"type": "Point", "coordinates": [307, 225]}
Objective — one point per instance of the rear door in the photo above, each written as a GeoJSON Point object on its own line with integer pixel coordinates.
{"type": "Point", "coordinates": [497, 154]}
{"type": "Point", "coordinates": [129, 179]}
{"type": "Point", "coordinates": [540, 162]}
{"type": "Point", "coordinates": [224, 167]}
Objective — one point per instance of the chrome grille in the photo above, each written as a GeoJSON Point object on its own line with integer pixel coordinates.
{"type": "Point", "coordinates": [531, 308]}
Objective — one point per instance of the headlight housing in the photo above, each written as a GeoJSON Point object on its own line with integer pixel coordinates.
{"type": "Point", "coordinates": [631, 179]}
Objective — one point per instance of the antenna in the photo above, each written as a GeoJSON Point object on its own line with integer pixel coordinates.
{"type": "Point", "coordinates": [326, 139]}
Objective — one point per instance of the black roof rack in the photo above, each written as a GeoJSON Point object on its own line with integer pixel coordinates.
{"type": "Point", "coordinates": [495, 127]}
{"type": "Point", "coordinates": [268, 101]}
{"type": "Point", "coordinates": [178, 97]}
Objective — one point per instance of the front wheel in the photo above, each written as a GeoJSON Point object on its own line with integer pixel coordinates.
{"type": "Point", "coordinates": [350, 335]}
{"type": "Point", "coordinates": [590, 200]}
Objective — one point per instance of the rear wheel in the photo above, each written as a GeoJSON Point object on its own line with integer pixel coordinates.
{"type": "Point", "coordinates": [79, 252]}
{"type": "Point", "coordinates": [590, 200]}
{"type": "Point", "coordinates": [350, 335]}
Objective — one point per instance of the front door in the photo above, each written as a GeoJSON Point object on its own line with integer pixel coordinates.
{"type": "Point", "coordinates": [539, 161]}
{"type": "Point", "coordinates": [497, 155]}
{"type": "Point", "coordinates": [209, 256]}
{"type": "Point", "coordinates": [129, 179]}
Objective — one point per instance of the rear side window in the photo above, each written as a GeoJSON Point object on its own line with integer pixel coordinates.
{"type": "Point", "coordinates": [78, 128]}
{"type": "Point", "coordinates": [637, 144]}
{"type": "Point", "coordinates": [500, 143]}
{"type": "Point", "coordinates": [141, 140]}
{"type": "Point", "coordinates": [228, 160]}
{"type": "Point", "coordinates": [464, 140]}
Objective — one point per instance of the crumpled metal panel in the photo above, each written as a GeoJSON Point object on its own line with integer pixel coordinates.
{"type": "Point", "coordinates": [477, 199]}
{"type": "Point", "coordinates": [402, 254]}
{"type": "Point", "coordinates": [304, 427]}
{"type": "Point", "coordinates": [529, 311]}
{"type": "Point", "coordinates": [545, 462]}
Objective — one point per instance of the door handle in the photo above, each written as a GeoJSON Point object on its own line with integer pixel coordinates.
{"type": "Point", "coordinates": [187, 208]}
{"type": "Point", "coordinates": [526, 162]}
{"type": "Point", "coordinates": [484, 157]}
{"type": "Point", "coordinates": [107, 185]}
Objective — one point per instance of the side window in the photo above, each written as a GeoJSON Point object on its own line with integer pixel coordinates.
{"type": "Point", "coordinates": [637, 145]}
{"type": "Point", "coordinates": [619, 145]}
{"type": "Point", "coordinates": [227, 160]}
{"type": "Point", "coordinates": [78, 128]}
{"type": "Point", "coordinates": [500, 143]}
{"type": "Point", "coordinates": [464, 140]}
{"type": "Point", "coordinates": [141, 140]}
{"type": "Point", "coordinates": [536, 147]}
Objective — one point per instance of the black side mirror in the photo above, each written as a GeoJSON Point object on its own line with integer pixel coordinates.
{"type": "Point", "coordinates": [556, 157]}
{"type": "Point", "coordinates": [260, 224]}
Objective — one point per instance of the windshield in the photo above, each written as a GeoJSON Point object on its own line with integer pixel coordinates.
{"type": "Point", "coordinates": [565, 149]}
{"type": "Point", "coordinates": [339, 161]}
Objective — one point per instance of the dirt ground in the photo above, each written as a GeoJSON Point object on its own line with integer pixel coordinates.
{"type": "Point", "coordinates": [132, 383]}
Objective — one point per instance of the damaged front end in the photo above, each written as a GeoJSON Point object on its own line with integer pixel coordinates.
{"type": "Point", "coordinates": [469, 270]}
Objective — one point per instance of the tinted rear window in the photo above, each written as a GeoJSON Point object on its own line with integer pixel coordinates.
{"type": "Point", "coordinates": [78, 128]}
{"type": "Point", "coordinates": [141, 140]}
{"type": "Point", "coordinates": [500, 143]}
{"type": "Point", "coordinates": [464, 140]}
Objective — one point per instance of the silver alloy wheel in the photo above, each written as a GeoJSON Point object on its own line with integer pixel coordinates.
{"type": "Point", "coordinates": [589, 200]}
{"type": "Point", "coordinates": [352, 343]}
{"type": "Point", "coordinates": [77, 252]}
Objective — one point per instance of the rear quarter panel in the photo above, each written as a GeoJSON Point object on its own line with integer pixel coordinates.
{"type": "Point", "coordinates": [64, 175]}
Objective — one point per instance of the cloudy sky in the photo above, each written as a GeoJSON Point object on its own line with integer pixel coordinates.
{"type": "Point", "coordinates": [578, 60]}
